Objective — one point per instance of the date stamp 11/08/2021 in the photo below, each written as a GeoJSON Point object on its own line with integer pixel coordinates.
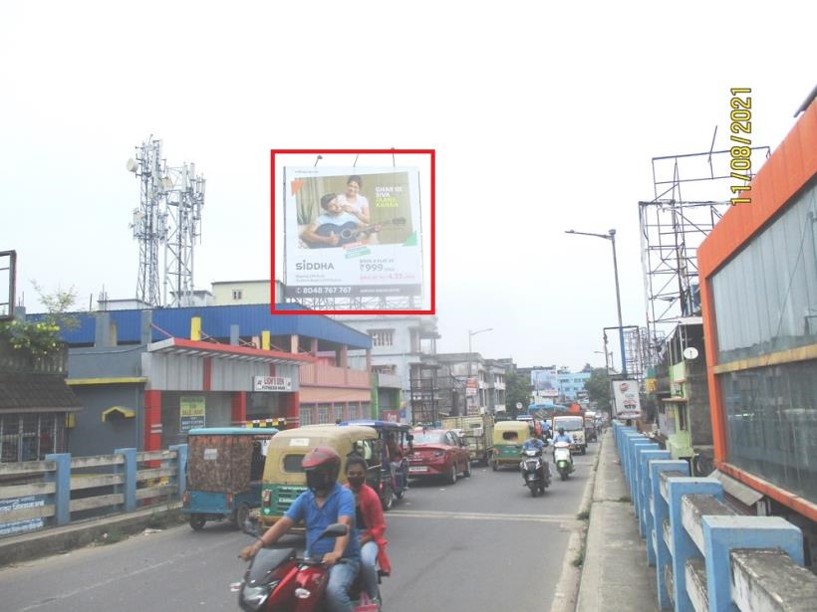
{"type": "Point", "coordinates": [741, 153]}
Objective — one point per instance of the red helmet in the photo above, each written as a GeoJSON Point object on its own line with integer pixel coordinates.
{"type": "Point", "coordinates": [322, 466]}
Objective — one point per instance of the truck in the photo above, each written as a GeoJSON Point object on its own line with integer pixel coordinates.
{"type": "Point", "coordinates": [477, 431]}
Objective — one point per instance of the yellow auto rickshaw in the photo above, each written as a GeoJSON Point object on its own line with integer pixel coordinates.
{"type": "Point", "coordinates": [508, 439]}
{"type": "Point", "coordinates": [284, 479]}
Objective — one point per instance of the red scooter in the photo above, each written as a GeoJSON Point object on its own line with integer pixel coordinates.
{"type": "Point", "coordinates": [278, 580]}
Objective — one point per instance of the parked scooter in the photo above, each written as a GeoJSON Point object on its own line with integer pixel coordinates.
{"type": "Point", "coordinates": [535, 469]}
{"type": "Point", "coordinates": [277, 579]}
{"type": "Point", "coordinates": [563, 459]}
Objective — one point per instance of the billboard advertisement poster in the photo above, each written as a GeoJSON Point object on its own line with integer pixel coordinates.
{"type": "Point", "coordinates": [545, 382]}
{"type": "Point", "coordinates": [626, 401]}
{"type": "Point", "coordinates": [191, 412]}
{"type": "Point", "coordinates": [352, 232]}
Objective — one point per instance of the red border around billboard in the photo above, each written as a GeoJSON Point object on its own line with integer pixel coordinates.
{"type": "Point", "coordinates": [274, 186]}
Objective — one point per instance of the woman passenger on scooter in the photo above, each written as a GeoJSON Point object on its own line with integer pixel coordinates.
{"type": "Point", "coordinates": [371, 526]}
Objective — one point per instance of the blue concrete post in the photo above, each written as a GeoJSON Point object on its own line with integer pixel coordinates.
{"type": "Point", "coordinates": [181, 467]}
{"type": "Point", "coordinates": [632, 440]}
{"type": "Point", "coordinates": [618, 431]}
{"type": "Point", "coordinates": [645, 522]}
{"type": "Point", "coordinates": [128, 469]}
{"type": "Point", "coordinates": [626, 457]}
{"type": "Point", "coordinates": [622, 445]}
{"type": "Point", "coordinates": [723, 533]}
{"type": "Point", "coordinates": [642, 473]}
{"type": "Point", "coordinates": [683, 548]}
{"type": "Point", "coordinates": [626, 438]}
{"type": "Point", "coordinates": [61, 478]}
{"type": "Point", "coordinates": [660, 507]}
{"type": "Point", "coordinates": [635, 445]}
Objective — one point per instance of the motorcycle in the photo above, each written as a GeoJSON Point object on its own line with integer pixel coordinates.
{"type": "Point", "coordinates": [563, 459]}
{"type": "Point", "coordinates": [278, 580]}
{"type": "Point", "coordinates": [535, 470]}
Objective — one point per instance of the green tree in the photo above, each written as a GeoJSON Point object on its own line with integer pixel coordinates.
{"type": "Point", "coordinates": [58, 306]}
{"type": "Point", "coordinates": [517, 389]}
{"type": "Point", "coordinates": [598, 388]}
{"type": "Point", "coordinates": [42, 338]}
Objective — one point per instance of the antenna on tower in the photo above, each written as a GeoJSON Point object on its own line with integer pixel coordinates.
{"type": "Point", "coordinates": [149, 220]}
{"type": "Point", "coordinates": [169, 213]}
{"type": "Point", "coordinates": [184, 200]}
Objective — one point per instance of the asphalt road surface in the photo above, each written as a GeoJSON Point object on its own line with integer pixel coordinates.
{"type": "Point", "coordinates": [481, 544]}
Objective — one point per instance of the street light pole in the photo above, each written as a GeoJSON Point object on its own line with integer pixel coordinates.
{"type": "Point", "coordinates": [612, 233]}
{"type": "Point", "coordinates": [611, 236]}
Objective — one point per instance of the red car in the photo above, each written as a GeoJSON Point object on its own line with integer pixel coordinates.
{"type": "Point", "coordinates": [439, 452]}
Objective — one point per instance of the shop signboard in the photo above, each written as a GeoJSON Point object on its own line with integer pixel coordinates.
{"type": "Point", "coordinates": [272, 383]}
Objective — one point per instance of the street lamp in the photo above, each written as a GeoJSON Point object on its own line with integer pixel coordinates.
{"type": "Point", "coordinates": [471, 334]}
{"type": "Point", "coordinates": [607, 358]}
{"type": "Point", "coordinates": [611, 236]}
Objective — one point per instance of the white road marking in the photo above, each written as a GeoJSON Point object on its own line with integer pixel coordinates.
{"type": "Point", "coordinates": [481, 516]}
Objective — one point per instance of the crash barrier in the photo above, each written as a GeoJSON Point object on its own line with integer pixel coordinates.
{"type": "Point", "coordinates": [37, 494]}
{"type": "Point", "coordinates": [706, 556]}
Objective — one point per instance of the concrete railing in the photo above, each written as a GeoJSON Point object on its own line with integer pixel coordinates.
{"type": "Point", "coordinates": [37, 494]}
{"type": "Point", "coordinates": [706, 556]}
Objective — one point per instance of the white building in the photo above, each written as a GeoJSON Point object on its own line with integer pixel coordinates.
{"type": "Point", "coordinates": [397, 343]}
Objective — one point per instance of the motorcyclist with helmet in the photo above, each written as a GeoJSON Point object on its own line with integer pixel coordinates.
{"type": "Point", "coordinates": [561, 436]}
{"type": "Point", "coordinates": [323, 503]}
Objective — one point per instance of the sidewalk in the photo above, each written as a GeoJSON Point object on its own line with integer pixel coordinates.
{"type": "Point", "coordinates": [615, 574]}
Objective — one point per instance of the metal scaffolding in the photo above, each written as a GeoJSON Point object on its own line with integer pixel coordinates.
{"type": "Point", "coordinates": [672, 229]}
{"type": "Point", "coordinates": [635, 349]}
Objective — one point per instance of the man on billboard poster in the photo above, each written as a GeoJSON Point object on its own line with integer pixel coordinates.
{"type": "Point", "coordinates": [334, 226]}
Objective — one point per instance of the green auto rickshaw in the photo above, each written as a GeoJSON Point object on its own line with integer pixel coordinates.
{"type": "Point", "coordinates": [508, 438]}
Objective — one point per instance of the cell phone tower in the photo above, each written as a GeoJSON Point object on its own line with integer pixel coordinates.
{"type": "Point", "coordinates": [149, 223]}
{"type": "Point", "coordinates": [171, 199]}
{"type": "Point", "coordinates": [184, 199]}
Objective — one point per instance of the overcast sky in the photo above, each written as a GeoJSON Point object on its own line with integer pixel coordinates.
{"type": "Point", "coordinates": [543, 119]}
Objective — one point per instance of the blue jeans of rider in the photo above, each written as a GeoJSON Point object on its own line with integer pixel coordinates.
{"type": "Point", "coordinates": [341, 577]}
{"type": "Point", "coordinates": [368, 568]}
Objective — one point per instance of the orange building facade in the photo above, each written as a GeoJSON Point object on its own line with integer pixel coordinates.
{"type": "Point", "coordinates": [758, 270]}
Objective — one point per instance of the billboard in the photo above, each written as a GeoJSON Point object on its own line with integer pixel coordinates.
{"type": "Point", "coordinates": [626, 401]}
{"type": "Point", "coordinates": [545, 383]}
{"type": "Point", "coordinates": [352, 232]}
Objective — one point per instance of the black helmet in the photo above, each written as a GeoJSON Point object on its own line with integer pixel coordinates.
{"type": "Point", "coordinates": [561, 431]}
{"type": "Point", "coordinates": [322, 466]}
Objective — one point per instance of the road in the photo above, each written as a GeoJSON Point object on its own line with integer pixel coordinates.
{"type": "Point", "coordinates": [481, 544]}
